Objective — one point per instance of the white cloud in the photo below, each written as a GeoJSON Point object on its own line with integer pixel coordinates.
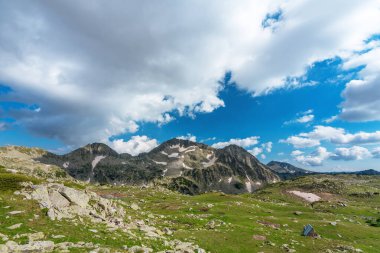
{"type": "Point", "coordinates": [98, 69]}
{"type": "Point", "coordinates": [255, 151]}
{"type": "Point", "coordinates": [305, 118]}
{"type": "Point", "coordinates": [267, 146]}
{"type": "Point", "coordinates": [136, 145]}
{"type": "Point", "coordinates": [188, 136]}
{"type": "Point", "coordinates": [245, 143]}
{"type": "Point", "coordinates": [296, 153]}
{"type": "Point", "coordinates": [376, 152]}
{"type": "Point", "coordinates": [314, 159]}
{"type": "Point", "coordinates": [333, 135]}
{"type": "Point", "coordinates": [352, 153]}
{"type": "Point", "coordinates": [362, 96]}
{"type": "Point", "coordinates": [301, 142]}
{"type": "Point", "coordinates": [263, 156]}
{"type": "Point", "coordinates": [331, 119]}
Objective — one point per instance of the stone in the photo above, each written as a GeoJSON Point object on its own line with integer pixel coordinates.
{"type": "Point", "coordinates": [135, 207]}
{"type": "Point", "coordinates": [37, 246]}
{"type": "Point", "coordinates": [36, 236]}
{"type": "Point", "coordinates": [138, 249]}
{"type": "Point", "coordinates": [297, 212]}
{"type": "Point", "coordinates": [15, 226]}
{"type": "Point", "coordinates": [77, 197]}
{"type": "Point", "coordinates": [333, 223]}
{"type": "Point", "coordinates": [58, 200]}
{"type": "Point", "coordinates": [259, 237]}
{"type": "Point", "coordinates": [167, 231]}
{"type": "Point", "coordinates": [3, 248]}
{"type": "Point", "coordinates": [58, 236]}
{"type": "Point", "coordinates": [15, 212]}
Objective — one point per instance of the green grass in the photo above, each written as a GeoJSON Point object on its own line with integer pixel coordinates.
{"type": "Point", "coordinates": [11, 182]}
{"type": "Point", "coordinates": [238, 217]}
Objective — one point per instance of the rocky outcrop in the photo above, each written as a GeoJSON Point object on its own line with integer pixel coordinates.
{"type": "Point", "coordinates": [185, 166]}
{"type": "Point", "coordinates": [66, 203]}
{"type": "Point", "coordinates": [76, 205]}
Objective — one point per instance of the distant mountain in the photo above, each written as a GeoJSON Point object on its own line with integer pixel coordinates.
{"type": "Point", "coordinates": [182, 165]}
{"type": "Point", "coordinates": [369, 172]}
{"type": "Point", "coordinates": [287, 171]}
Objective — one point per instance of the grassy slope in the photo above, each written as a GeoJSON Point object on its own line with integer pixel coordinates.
{"type": "Point", "coordinates": [188, 216]}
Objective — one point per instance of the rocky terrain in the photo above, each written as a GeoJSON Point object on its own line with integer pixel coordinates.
{"type": "Point", "coordinates": [185, 166]}
{"type": "Point", "coordinates": [288, 171]}
{"type": "Point", "coordinates": [44, 209]}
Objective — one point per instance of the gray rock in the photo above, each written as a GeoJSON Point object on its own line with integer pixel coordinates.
{"type": "Point", "coordinates": [15, 226]}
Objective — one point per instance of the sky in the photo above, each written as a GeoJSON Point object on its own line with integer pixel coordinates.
{"type": "Point", "coordinates": [295, 81]}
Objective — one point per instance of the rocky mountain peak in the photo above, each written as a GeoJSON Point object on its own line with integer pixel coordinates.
{"type": "Point", "coordinates": [96, 149]}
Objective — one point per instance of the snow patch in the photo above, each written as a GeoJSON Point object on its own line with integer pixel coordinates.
{"type": "Point", "coordinates": [210, 162]}
{"type": "Point", "coordinates": [164, 172]}
{"type": "Point", "coordinates": [174, 146]}
{"type": "Point", "coordinates": [248, 185]}
{"type": "Point", "coordinates": [309, 197]}
{"type": "Point", "coordinates": [174, 155]}
{"type": "Point", "coordinates": [66, 165]}
{"type": "Point", "coordinates": [188, 149]}
{"type": "Point", "coordinates": [162, 163]}
{"type": "Point", "coordinates": [229, 180]}
{"type": "Point", "coordinates": [164, 153]}
{"type": "Point", "coordinates": [97, 160]}
{"type": "Point", "coordinates": [258, 183]}
{"type": "Point", "coordinates": [186, 167]}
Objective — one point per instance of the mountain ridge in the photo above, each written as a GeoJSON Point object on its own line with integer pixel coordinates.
{"type": "Point", "coordinates": [184, 165]}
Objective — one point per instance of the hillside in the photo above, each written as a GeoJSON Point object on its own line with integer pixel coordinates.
{"type": "Point", "coordinates": [287, 171]}
{"type": "Point", "coordinates": [45, 211]}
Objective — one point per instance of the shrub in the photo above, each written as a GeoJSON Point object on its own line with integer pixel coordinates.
{"type": "Point", "coordinates": [11, 182]}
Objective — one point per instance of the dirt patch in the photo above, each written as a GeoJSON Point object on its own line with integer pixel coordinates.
{"type": "Point", "coordinates": [259, 237]}
{"type": "Point", "coordinates": [269, 224]}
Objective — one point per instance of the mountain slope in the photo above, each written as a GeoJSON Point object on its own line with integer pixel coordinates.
{"type": "Point", "coordinates": [182, 165]}
{"type": "Point", "coordinates": [287, 171]}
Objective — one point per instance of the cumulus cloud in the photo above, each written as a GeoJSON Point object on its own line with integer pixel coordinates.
{"type": "Point", "coordinates": [301, 142]}
{"type": "Point", "coordinates": [376, 152]}
{"type": "Point", "coordinates": [303, 117]}
{"type": "Point", "coordinates": [255, 151]}
{"type": "Point", "coordinates": [136, 145]}
{"type": "Point", "coordinates": [245, 143]}
{"type": "Point", "coordinates": [267, 146]}
{"type": "Point", "coordinates": [188, 136]}
{"type": "Point", "coordinates": [352, 153]}
{"type": "Point", "coordinates": [97, 69]}
{"type": "Point", "coordinates": [314, 159]}
{"type": "Point", "coordinates": [333, 135]}
{"type": "Point", "coordinates": [306, 118]}
{"type": "Point", "coordinates": [362, 96]}
{"type": "Point", "coordinates": [296, 153]}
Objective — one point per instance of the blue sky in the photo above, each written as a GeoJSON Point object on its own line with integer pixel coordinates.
{"type": "Point", "coordinates": [271, 77]}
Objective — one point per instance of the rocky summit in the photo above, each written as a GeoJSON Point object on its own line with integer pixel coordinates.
{"type": "Point", "coordinates": [182, 165]}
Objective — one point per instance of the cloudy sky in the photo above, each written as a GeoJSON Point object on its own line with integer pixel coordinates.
{"type": "Point", "coordinates": [296, 80]}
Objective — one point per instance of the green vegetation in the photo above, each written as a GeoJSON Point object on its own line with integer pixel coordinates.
{"type": "Point", "coordinates": [270, 220]}
{"type": "Point", "coordinates": [11, 182]}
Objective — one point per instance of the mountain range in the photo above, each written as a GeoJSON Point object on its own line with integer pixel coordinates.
{"type": "Point", "coordinates": [183, 165]}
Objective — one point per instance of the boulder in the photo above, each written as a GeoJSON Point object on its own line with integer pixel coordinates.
{"type": "Point", "coordinates": [77, 197]}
